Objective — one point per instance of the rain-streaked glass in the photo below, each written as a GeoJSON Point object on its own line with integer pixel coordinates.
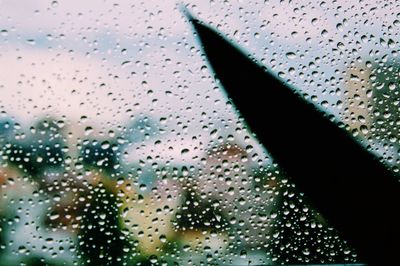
{"type": "Point", "coordinates": [118, 147]}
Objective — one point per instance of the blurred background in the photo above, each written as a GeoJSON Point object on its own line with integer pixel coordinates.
{"type": "Point", "coordinates": [117, 147]}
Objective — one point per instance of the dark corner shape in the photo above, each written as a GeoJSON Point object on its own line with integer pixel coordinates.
{"type": "Point", "coordinates": [356, 192]}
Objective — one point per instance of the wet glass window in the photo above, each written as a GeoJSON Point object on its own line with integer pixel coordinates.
{"type": "Point", "coordinates": [199, 132]}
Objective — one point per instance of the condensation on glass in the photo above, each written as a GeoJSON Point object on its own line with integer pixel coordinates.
{"type": "Point", "coordinates": [117, 146]}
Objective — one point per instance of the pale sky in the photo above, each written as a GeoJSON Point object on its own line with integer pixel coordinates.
{"type": "Point", "coordinates": [111, 60]}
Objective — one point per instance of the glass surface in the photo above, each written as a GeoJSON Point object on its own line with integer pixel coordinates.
{"type": "Point", "coordinates": [118, 147]}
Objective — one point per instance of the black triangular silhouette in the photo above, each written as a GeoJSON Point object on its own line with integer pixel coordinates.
{"type": "Point", "coordinates": [356, 193]}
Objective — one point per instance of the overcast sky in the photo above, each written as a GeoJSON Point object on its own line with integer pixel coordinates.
{"type": "Point", "coordinates": [114, 60]}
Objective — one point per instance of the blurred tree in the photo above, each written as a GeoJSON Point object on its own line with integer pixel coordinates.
{"type": "Point", "coordinates": [302, 236]}
{"type": "Point", "coordinates": [101, 241]}
{"type": "Point", "coordinates": [198, 214]}
{"type": "Point", "coordinates": [43, 149]}
{"type": "Point", "coordinates": [102, 155]}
